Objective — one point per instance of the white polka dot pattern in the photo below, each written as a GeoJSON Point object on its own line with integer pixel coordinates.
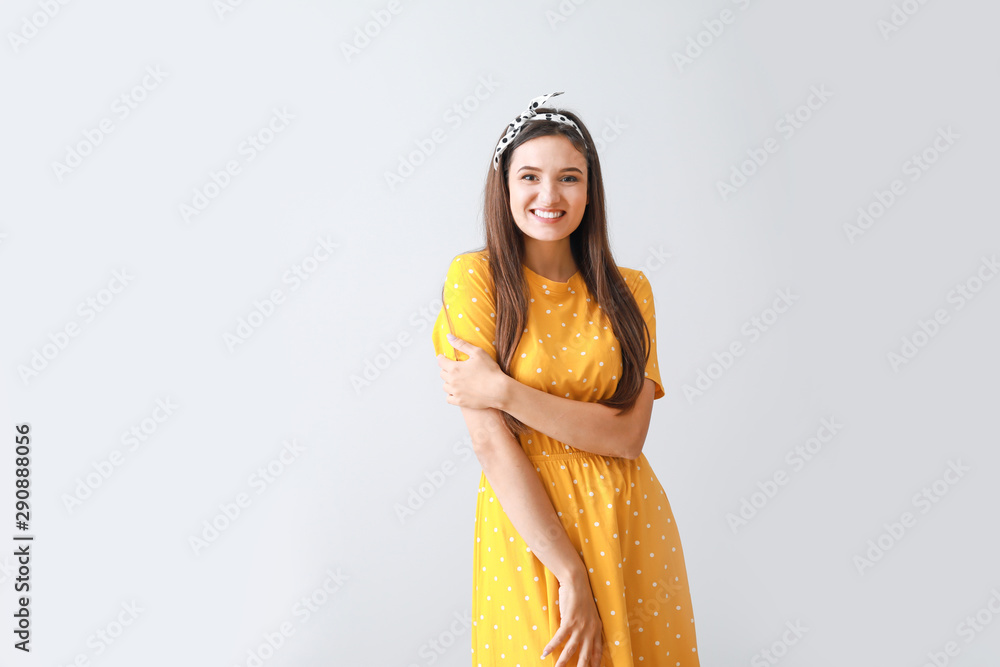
{"type": "Point", "coordinates": [614, 510]}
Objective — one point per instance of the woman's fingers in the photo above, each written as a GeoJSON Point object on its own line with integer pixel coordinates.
{"type": "Point", "coordinates": [558, 638]}
{"type": "Point", "coordinates": [568, 651]}
{"type": "Point", "coordinates": [580, 628]}
{"type": "Point", "coordinates": [586, 658]}
{"type": "Point", "coordinates": [598, 653]}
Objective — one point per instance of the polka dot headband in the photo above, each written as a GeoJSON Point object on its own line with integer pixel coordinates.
{"type": "Point", "coordinates": [525, 116]}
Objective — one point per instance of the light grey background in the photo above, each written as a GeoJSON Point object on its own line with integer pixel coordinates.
{"type": "Point", "coordinates": [344, 365]}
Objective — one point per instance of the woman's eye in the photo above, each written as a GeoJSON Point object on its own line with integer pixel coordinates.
{"type": "Point", "coordinates": [574, 179]}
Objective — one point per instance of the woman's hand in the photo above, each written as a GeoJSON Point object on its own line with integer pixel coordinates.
{"type": "Point", "coordinates": [478, 382]}
{"type": "Point", "coordinates": [579, 625]}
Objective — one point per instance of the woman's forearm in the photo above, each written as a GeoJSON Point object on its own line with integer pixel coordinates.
{"type": "Point", "coordinates": [523, 499]}
{"type": "Point", "coordinates": [585, 425]}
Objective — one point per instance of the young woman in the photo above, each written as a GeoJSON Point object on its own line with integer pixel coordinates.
{"type": "Point", "coordinates": [554, 366]}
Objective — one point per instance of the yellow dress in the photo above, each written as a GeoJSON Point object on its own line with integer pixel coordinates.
{"type": "Point", "coordinates": [613, 509]}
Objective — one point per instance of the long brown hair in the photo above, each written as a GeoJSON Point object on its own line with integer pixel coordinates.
{"type": "Point", "coordinates": [591, 252]}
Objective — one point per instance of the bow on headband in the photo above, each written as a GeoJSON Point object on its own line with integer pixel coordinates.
{"type": "Point", "coordinates": [525, 116]}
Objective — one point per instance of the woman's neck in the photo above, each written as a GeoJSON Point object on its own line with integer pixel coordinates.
{"type": "Point", "coordinates": [552, 260]}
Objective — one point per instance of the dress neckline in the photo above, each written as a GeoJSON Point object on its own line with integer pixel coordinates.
{"type": "Point", "coordinates": [549, 285]}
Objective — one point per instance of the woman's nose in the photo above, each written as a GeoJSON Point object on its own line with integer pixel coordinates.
{"type": "Point", "coordinates": [547, 194]}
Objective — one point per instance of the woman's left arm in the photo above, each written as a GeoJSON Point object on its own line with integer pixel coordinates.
{"type": "Point", "coordinates": [589, 426]}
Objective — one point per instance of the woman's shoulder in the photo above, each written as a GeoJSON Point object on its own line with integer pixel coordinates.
{"type": "Point", "coordinates": [469, 270]}
{"type": "Point", "coordinates": [474, 256]}
{"type": "Point", "coordinates": [632, 276]}
{"type": "Point", "coordinates": [475, 262]}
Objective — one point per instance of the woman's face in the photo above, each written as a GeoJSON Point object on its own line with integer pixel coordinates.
{"type": "Point", "coordinates": [547, 176]}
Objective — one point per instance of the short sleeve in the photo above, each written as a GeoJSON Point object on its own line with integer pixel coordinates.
{"type": "Point", "coordinates": [643, 293]}
{"type": "Point", "coordinates": [468, 309]}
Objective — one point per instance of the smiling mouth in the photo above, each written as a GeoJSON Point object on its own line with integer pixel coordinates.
{"type": "Point", "coordinates": [547, 214]}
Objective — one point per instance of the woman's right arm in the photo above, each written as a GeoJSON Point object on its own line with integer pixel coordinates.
{"type": "Point", "coordinates": [468, 311]}
{"type": "Point", "coordinates": [521, 494]}
{"type": "Point", "coordinates": [529, 509]}
{"type": "Point", "coordinates": [523, 499]}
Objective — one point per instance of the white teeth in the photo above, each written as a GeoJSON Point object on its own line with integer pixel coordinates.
{"type": "Point", "coordinates": [547, 214]}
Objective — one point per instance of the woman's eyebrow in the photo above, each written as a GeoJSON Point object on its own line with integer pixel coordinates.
{"type": "Point", "coordinates": [537, 169]}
